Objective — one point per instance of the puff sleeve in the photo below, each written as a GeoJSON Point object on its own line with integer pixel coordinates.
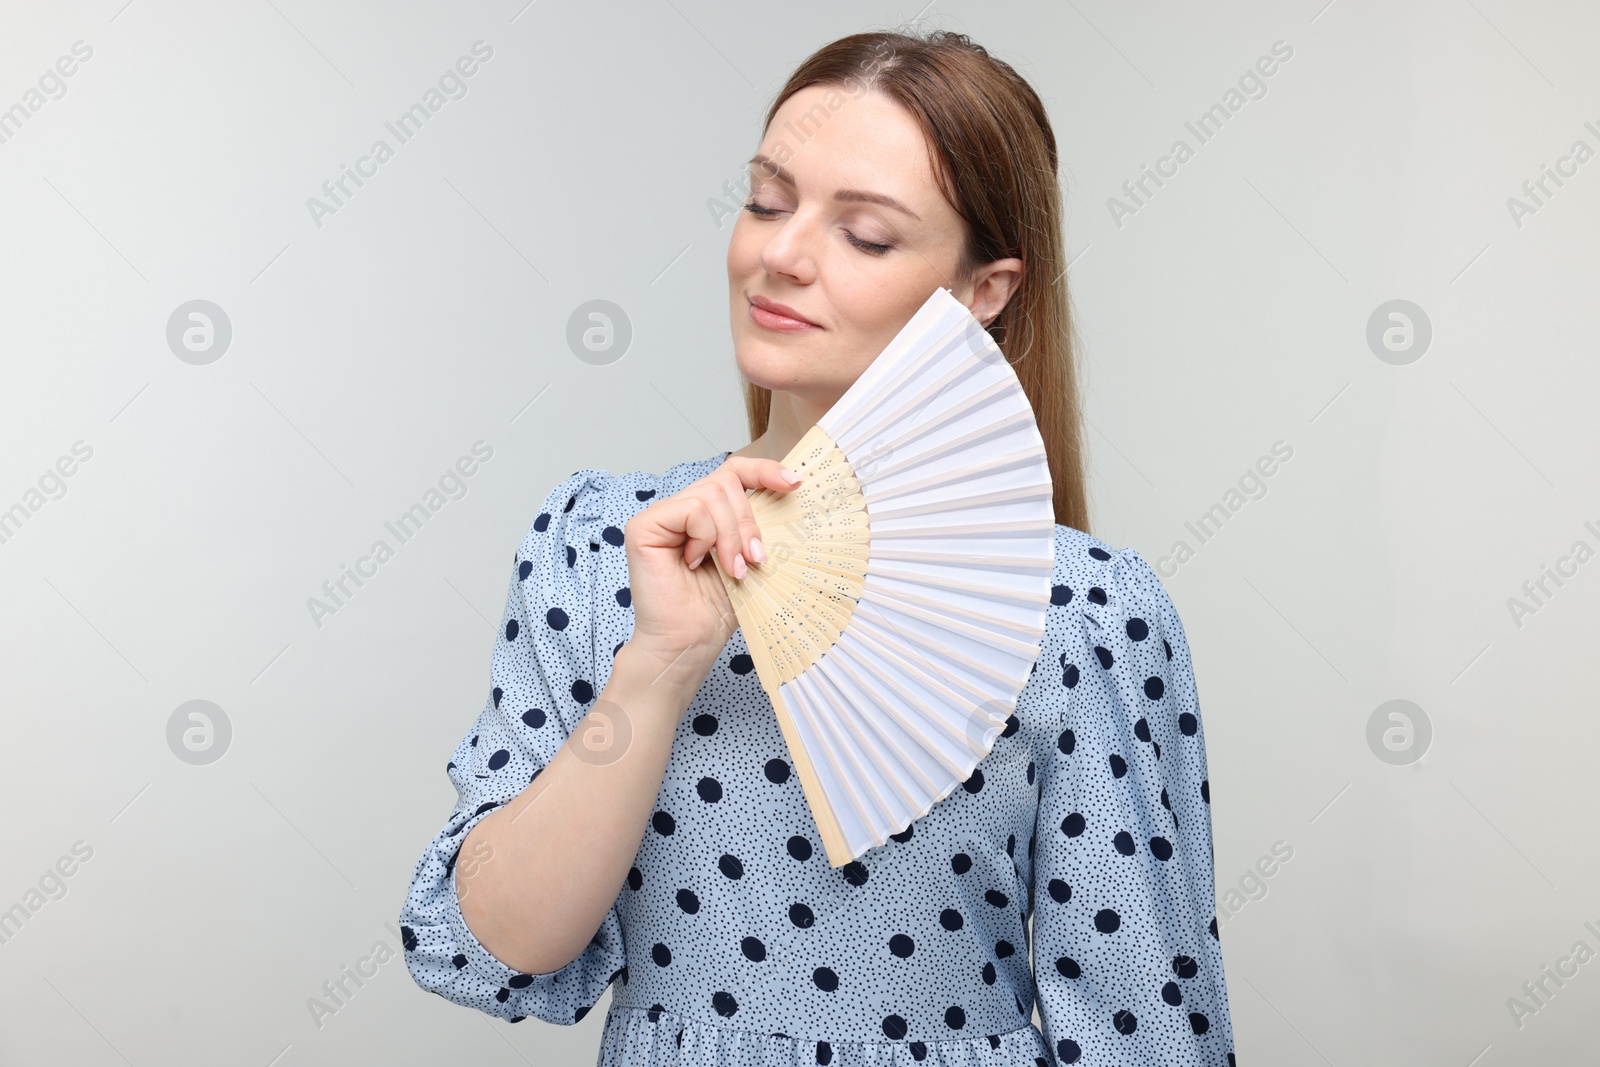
{"type": "Point", "coordinates": [543, 678]}
{"type": "Point", "coordinates": [1127, 963]}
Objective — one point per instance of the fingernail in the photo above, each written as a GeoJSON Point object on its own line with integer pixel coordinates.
{"type": "Point", "coordinates": [788, 474]}
{"type": "Point", "coordinates": [757, 553]}
{"type": "Point", "coordinates": [738, 565]}
{"type": "Point", "coordinates": [697, 560]}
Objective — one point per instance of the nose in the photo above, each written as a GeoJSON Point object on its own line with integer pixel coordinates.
{"type": "Point", "coordinates": [789, 251]}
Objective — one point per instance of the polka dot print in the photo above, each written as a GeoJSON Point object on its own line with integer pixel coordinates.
{"type": "Point", "coordinates": [1073, 871]}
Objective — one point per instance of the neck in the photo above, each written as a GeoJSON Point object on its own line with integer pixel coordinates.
{"type": "Point", "coordinates": [789, 419]}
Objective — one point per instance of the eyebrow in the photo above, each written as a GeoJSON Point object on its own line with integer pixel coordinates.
{"type": "Point", "coordinates": [852, 195]}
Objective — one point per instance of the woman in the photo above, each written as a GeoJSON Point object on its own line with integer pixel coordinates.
{"type": "Point", "coordinates": [628, 809]}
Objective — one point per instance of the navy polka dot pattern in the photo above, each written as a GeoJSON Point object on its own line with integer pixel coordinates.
{"type": "Point", "coordinates": [1085, 834]}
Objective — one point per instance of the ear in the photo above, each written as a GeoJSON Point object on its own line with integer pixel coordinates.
{"type": "Point", "coordinates": [990, 288]}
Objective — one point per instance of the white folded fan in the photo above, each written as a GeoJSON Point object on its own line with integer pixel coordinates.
{"type": "Point", "coordinates": [902, 605]}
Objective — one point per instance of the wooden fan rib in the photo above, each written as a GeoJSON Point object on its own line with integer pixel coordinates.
{"type": "Point", "coordinates": [835, 494]}
{"type": "Point", "coordinates": [820, 481]}
{"type": "Point", "coordinates": [832, 599]}
{"type": "Point", "coordinates": [820, 517]}
{"type": "Point", "coordinates": [816, 582]}
{"type": "Point", "coordinates": [761, 624]}
{"type": "Point", "coordinates": [838, 535]}
{"type": "Point", "coordinates": [813, 451]}
{"type": "Point", "coordinates": [793, 651]}
{"type": "Point", "coordinates": [816, 570]}
{"type": "Point", "coordinates": [824, 570]}
{"type": "Point", "coordinates": [820, 585]}
{"type": "Point", "coordinates": [796, 645]}
{"type": "Point", "coordinates": [790, 658]}
{"type": "Point", "coordinates": [822, 811]}
{"type": "Point", "coordinates": [834, 554]}
{"type": "Point", "coordinates": [807, 522]}
{"type": "Point", "coordinates": [799, 582]}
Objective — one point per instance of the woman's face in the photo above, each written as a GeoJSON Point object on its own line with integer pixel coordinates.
{"type": "Point", "coordinates": [847, 229]}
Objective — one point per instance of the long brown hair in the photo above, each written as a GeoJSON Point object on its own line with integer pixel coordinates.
{"type": "Point", "coordinates": [995, 159]}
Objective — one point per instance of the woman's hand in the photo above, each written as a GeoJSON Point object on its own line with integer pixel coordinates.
{"type": "Point", "coordinates": [681, 611]}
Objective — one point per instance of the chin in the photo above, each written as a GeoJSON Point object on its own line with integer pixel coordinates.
{"type": "Point", "coordinates": [773, 361]}
{"type": "Point", "coordinates": [767, 371]}
{"type": "Point", "coordinates": [771, 368]}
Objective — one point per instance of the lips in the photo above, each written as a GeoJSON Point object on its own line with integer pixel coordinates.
{"type": "Point", "coordinates": [773, 315]}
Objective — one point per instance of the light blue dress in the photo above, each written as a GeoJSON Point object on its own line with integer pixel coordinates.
{"type": "Point", "coordinates": [734, 942]}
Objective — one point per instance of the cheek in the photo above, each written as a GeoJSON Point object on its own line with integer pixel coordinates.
{"type": "Point", "coordinates": [744, 249]}
{"type": "Point", "coordinates": [858, 305]}
{"type": "Point", "coordinates": [872, 309]}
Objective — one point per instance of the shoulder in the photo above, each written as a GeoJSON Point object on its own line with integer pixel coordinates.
{"type": "Point", "coordinates": [591, 506]}
{"type": "Point", "coordinates": [1106, 590]}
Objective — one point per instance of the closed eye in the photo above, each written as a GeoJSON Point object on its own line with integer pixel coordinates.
{"type": "Point", "coordinates": [869, 247]}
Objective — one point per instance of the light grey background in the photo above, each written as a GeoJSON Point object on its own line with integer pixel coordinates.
{"type": "Point", "coordinates": [1228, 312]}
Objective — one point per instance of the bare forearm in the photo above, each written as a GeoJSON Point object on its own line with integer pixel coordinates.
{"type": "Point", "coordinates": [536, 877]}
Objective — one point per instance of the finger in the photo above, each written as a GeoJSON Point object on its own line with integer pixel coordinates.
{"type": "Point", "coordinates": [700, 530]}
{"type": "Point", "coordinates": [730, 548]}
{"type": "Point", "coordinates": [749, 529]}
{"type": "Point", "coordinates": [680, 521]}
{"type": "Point", "coordinates": [761, 473]}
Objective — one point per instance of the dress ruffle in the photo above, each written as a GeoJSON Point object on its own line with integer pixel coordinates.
{"type": "Point", "coordinates": [652, 1037]}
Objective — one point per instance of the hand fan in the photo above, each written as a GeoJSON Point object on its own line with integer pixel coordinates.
{"type": "Point", "coordinates": [902, 605]}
